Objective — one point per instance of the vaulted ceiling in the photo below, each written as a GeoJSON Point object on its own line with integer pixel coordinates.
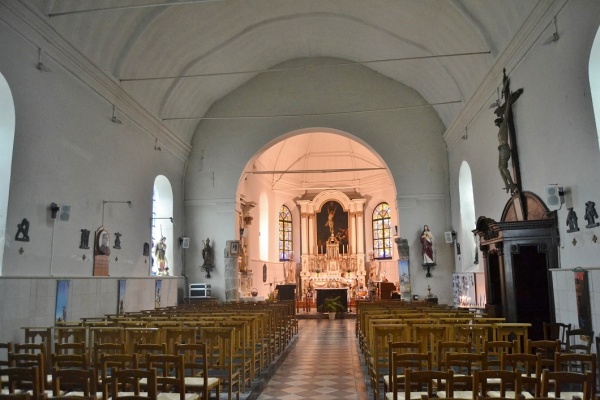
{"type": "Point", "coordinates": [177, 58]}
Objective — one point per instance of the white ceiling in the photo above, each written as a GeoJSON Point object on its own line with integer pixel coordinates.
{"type": "Point", "coordinates": [136, 39]}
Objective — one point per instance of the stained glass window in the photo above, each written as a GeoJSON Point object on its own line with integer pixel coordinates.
{"type": "Point", "coordinates": [382, 232]}
{"type": "Point", "coordinates": [285, 234]}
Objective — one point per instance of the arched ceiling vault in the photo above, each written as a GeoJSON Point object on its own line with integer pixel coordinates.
{"type": "Point", "coordinates": [133, 40]}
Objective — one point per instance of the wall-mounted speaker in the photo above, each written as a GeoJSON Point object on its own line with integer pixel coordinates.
{"type": "Point", "coordinates": [185, 242]}
{"type": "Point", "coordinates": [245, 232]}
{"type": "Point", "coordinates": [448, 237]}
{"type": "Point", "coordinates": [554, 197]}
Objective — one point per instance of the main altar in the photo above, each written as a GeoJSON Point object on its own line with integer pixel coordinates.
{"type": "Point", "coordinates": [332, 229]}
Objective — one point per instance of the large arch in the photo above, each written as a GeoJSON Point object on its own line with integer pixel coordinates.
{"type": "Point", "coordinates": [594, 73]}
{"type": "Point", "coordinates": [7, 137]}
{"type": "Point", "coordinates": [283, 171]}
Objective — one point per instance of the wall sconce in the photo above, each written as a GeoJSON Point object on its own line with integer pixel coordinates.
{"type": "Point", "coordinates": [54, 210]}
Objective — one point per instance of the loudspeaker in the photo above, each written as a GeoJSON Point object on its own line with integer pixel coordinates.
{"type": "Point", "coordinates": [554, 197]}
{"type": "Point", "coordinates": [245, 232]}
{"type": "Point", "coordinates": [448, 237]}
{"type": "Point", "coordinates": [185, 242]}
{"type": "Point", "coordinates": [65, 212]}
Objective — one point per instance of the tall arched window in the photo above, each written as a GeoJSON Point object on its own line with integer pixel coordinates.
{"type": "Point", "coordinates": [7, 137]}
{"type": "Point", "coordinates": [263, 235]}
{"type": "Point", "coordinates": [285, 234]}
{"type": "Point", "coordinates": [162, 227]}
{"type": "Point", "coordinates": [594, 73]}
{"type": "Point", "coordinates": [467, 215]}
{"type": "Point", "coordinates": [382, 232]}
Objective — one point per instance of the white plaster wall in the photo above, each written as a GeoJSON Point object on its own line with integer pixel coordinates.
{"type": "Point", "coordinates": [557, 142]}
{"type": "Point", "coordinates": [409, 141]}
{"type": "Point", "coordinates": [67, 151]}
{"type": "Point", "coordinates": [32, 301]}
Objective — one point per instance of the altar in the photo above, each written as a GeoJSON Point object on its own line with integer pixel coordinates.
{"type": "Point", "coordinates": [333, 253]}
{"type": "Point", "coordinates": [323, 294]}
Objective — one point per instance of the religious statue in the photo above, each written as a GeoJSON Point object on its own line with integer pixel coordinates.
{"type": "Point", "coordinates": [504, 123]}
{"type": "Point", "coordinates": [572, 221]}
{"type": "Point", "coordinates": [117, 240]}
{"type": "Point", "coordinates": [207, 254]}
{"type": "Point", "coordinates": [427, 243]}
{"type": "Point", "coordinates": [23, 231]}
{"type": "Point", "coordinates": [160, 252]}
{"type": "Point", "coordinates": [85, 239]}
{"type": "Point", "coordinates": [591, 214]}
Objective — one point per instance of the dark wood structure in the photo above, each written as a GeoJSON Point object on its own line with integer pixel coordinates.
{"type": "Point", "coordinates": [286, 292]}
{"type": "Point", "coordinates": [517, 258]}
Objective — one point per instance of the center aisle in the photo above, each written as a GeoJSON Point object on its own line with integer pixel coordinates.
{"type": "Point", "coordinates": [323, 364]}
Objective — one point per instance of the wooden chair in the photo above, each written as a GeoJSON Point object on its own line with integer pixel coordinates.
{"type": "Point", "coordinates": [576, 362]}
{"type": "Point", "coordinates": [31, 360]}
{"type": "Point", "coordinates": [450, 347]}
{"type": "Point", "coordinates": [173, 336]}
{"type": "Point", "coordinates": [402, 362]}
{"type": "Point", "coordinates": [557, 331]}
{"type": "Point", "coordinates": [547, 349]}
{"type": "Point", "coordinates": [197, 378]}
{"type": "Point", "coordinates": [5, 349]}
{"type": "Point", "coordinates": [487, 381]}
{"type": "Point", "coordinates": [580, 341]}
{"type": "Point", "coordinates": [109, 363]}
{"type": "Point", "coordinates": [21, 379]}
{"type": "Point", "coordinates": [463, 365]}
{"type": "Point", "coordinates": [125, 384]}
{"type": "Point", "coordinates": [419, 383]}
{"type": "Point", "coordinates": [220, 345]}
{"type": "Point", "coordinates": [144, 350]}
{"type": "Point", "coordinates": [560, 384]}
{"type": "Point", "coordinates": [170, 377]}
{"type": "Point", "coordinates": [104, 348]}
{"type": "Point", "coordinates": [74, 382]}
{"type": "Point", "coordinates": [493, 351]}
{"type": "Point", "coordinates": [530, 368]}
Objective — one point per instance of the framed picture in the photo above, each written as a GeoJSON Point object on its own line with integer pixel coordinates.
{"type": "Point", "coordinates": [102, 242]}
{"type": "Point", "coordinates": [234, 247]}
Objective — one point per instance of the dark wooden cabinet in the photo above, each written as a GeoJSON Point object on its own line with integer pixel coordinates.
{"type": "Point", "coordinates": [517, 259]}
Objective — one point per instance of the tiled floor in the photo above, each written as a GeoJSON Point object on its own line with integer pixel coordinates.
{"type": "Point", "coordinates": [322, 363]}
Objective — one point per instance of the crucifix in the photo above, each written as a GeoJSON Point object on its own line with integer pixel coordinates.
{"type": "Point", "coordinates": [507, 145]}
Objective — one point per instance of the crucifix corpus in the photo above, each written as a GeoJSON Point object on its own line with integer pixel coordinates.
{"type": "Point", "coordinates": [507, 139]}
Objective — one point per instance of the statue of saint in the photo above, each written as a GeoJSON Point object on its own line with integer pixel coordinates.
{"type": "Point", "coordinates": [207, 254]}
{"type": "Point", "coordinates": [427, 250]}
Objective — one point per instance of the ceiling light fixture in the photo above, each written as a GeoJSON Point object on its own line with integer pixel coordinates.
{"type": "Point", "coordinates": [114, 117]}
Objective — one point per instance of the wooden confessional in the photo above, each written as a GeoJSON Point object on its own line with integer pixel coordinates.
{"type": "Point", "coordinates": [518, 253]}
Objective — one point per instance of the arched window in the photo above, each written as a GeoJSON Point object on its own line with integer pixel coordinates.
{"type": "Point", "coordinates": [382, 232]}
{"type": "Point", "coordinates": [263, 236]}
{"type": "Point", "coordinates": [285, 234]}
{"type": "Point", "coordinates": [162, 227]}
{"type": "Point", "coordinates": [467, 215]}
{"type": "Point", "coordinates": [594, 73]}
{"type": "Point", "coordinates": [7, 137]}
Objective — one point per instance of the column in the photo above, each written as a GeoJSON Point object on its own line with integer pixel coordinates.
{"type": "Point", "coordinates": [311, 234]}
{"type": "Point", "coordinates": [360, 233]}
{"type": "Point", "coordinates": [304, 230]}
